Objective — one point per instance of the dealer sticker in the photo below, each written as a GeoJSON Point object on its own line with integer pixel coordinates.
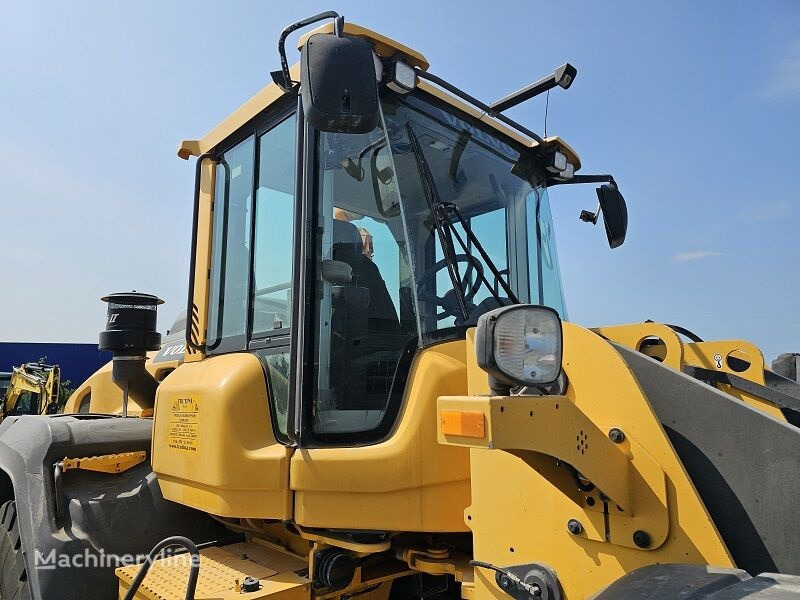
{"type": "Point", "coordinates": [183, 432]}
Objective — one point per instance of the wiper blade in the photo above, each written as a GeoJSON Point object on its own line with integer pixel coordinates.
{"type": "Point", "coordinates": [446, 229]}
{"type": "Point", "coordinates": [435, 202]}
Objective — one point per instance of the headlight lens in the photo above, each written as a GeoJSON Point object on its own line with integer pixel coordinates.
{"type": "Point", "coordinates": [520, 345]}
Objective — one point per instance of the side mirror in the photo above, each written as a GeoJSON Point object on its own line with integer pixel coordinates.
{"type": "Point", "coordinates": [338, 84]}
{"type": "Point", "coordinates": [615, 213]}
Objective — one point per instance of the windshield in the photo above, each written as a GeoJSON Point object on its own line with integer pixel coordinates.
{"type": "Point", "coordinates": [396, 258]}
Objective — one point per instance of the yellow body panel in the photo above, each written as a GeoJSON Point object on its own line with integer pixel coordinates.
{"type": "Point", "coordinates": [106, 396]}
{"type": "Point", "coordinates": [406, 483]}
{"type": "Point", "coordinates": [522, 500]}
{"type": "Point", "coordinates": [213, 442]}
{"type": "Point", "coordinates": [197, 321]}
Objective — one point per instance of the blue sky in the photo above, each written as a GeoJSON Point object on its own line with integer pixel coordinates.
{"type": "Point", "coordinates": [694, 107]}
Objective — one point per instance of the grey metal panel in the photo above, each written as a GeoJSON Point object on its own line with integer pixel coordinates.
{"type": "Point", "coordinates": [118, 514]}
{"type": "Point", "coordinates": [699, 582]}
{"type": "Point", "coordinates": [744, 463]}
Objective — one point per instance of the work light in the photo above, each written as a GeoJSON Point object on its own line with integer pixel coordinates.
{"type": "Point", "coordinates": [519, 346]}
{"type": "Point", "coordinates": [402, 78]}
{"type": "Point", "coordinates": [555, 162]}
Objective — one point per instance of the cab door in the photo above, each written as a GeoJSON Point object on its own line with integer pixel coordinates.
{"type": "Point", "coordinates": [220, 431]}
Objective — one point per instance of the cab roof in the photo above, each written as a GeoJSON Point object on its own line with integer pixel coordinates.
{"type": "Point", "coordinates": [384, 47]}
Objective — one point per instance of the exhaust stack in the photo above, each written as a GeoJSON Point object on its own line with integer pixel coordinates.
{"type": "Point", "coordinates": [130, 333]}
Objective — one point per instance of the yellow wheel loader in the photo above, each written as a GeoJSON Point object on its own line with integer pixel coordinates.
{"type": "Point", "coordinates": [33, 389]}
{"type": "Point", "coordinates": [381, 395]}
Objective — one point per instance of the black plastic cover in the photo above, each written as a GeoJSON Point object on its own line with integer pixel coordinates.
{"type": "Point", "coordinates": [744, 463]}
{"type": "Point", "coordinates": [615, 213]}
{"type": "Point", "coordinates": [338, 84]}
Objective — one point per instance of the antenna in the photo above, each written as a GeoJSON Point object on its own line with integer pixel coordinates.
{"type": "Point", "coordinates": [546, 108]}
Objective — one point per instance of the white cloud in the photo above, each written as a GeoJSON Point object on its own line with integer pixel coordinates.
{"type": "Point", "coordinates": [768, 211]}
{"type": "Point", "coordinates": [785, 82]}
{"type": "Point", "coordinates": [696, 255]}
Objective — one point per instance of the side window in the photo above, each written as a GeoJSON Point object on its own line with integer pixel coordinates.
{"type": "Point", "coordinates": [274, 215]}
{"type": "Point", "coordinates": [27, 404]}
{"type": "Point", "coordinates": [227, 316]}
{"type": "Point", "coordinates": [251, 278]}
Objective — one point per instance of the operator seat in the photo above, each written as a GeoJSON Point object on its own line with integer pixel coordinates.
{"type": "Point", "coordinates": [348, 247]}
{"type": "Point", "coordinates": [363, 321]}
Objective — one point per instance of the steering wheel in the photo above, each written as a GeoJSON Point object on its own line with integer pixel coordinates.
{"type": "Point", "coordinates": [449, 301]}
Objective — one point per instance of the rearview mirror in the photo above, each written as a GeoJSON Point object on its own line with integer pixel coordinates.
{"type": "Point", "coordinates": [615, 213]}
{"type": "Point", "coordinates": [338, 84]}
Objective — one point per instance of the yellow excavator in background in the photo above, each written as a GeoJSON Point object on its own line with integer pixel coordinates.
{"type": "Point", "coordinates": [410, 418]}
{"type": "Point", "coordinates": [33, 389]}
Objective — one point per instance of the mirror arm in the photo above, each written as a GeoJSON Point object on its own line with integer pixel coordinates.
{"type": "Point", "coordinates": [282, 77]}
{"type": "Point", "coordinates": [584, 179]}
{"type": "Point", "coordinates": [587, 216]}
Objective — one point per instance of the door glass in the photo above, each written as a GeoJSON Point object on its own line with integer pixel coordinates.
{"type": "Point", "coordinates": [227, 320]}
{"type": "Point", "coordinates": [365, 288]}
{"type": "Point", "coordinates": [274, 214]}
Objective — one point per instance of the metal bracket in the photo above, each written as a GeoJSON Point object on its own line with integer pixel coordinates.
{"type": "Point", "coordinates": [627, 485]}
{"type": "Point", "coordinates": [106, 463]}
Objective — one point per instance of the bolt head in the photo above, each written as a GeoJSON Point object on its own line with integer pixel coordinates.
{"type": "Point", "coordinates": [616, 435]}
{"type": "Point", "coordinates": [574, 527]}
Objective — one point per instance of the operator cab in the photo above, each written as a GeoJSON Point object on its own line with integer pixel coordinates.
{"type": "Point", "coordinates": [339, 249]}
{"type": "Point", "coordinates": [385, 279]}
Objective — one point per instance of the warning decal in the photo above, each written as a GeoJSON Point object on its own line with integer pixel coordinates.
{"type": "Point", "coordinates": [184, 424]}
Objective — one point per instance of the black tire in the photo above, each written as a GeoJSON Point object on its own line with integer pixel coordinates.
{"type": "Point", "coordinates": [13, 576]}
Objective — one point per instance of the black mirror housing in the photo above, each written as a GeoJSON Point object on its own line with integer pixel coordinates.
{"type": "Point", "coordinates": [338, 84]}
{"type": "Point", "coordinates": [615, 213]}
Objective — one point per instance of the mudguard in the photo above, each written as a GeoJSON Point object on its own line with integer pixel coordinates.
{"type": "Point", "coordinates": [73, 540]}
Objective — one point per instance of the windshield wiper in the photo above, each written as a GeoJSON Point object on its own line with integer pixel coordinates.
{"type": "Point", "coordinates": [446, 230]}
{"type": "Point", "coordinates": [445, 239]}
{"type": "Point", "coordinates": [473, 239]}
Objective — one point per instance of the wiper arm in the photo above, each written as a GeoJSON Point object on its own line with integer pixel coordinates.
{"type": "Point", "coordinates": [444, 225]}
{"type": "Point", "coordinates": [435, 202]}
{"type": "Point", "coordinates": [473, 239]}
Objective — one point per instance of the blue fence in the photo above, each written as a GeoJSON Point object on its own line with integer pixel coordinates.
{"type": "Point", "coordinates": [77, 361]}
